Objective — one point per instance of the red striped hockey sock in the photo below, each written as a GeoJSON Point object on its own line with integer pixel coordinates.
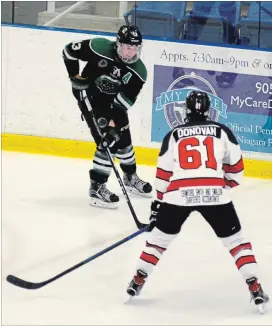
{"type": "Point", "coordinates": [245, 259]}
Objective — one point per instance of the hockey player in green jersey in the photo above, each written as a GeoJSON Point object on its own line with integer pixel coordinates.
{"type": "Point", "coordinates": [110, 81]}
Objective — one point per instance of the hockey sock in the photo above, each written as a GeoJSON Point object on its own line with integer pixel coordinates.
{"type": "Point", "coordinates": [155, 247]}
{"type": "Point", "coordinates": [127, 161]}
{"type": "Point", "coordinates": [241, 251]}
{"type": "Point", "coordinates": [101, 167]}
{"type": "Point", "coordinates": [245, 259]}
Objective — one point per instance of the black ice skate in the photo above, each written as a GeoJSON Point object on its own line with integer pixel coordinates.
{"type": "Point", "coordinates": [136, 186]}
{"type": "Point", "coordinates": [137, 283]}
{"type": "Point", "coordinates": [101, 196]}
{"type": "Point", "coordinates": [257, 295]}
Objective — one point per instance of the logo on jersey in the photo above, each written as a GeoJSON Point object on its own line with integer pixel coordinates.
{"type": "Point", "coordinates": [173, 100]}
{"type": "Point", "coordinates": [116, 72]}
{"type": "Point", "coordinates": [102, 63]}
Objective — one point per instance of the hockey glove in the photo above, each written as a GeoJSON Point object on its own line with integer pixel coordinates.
{"type": "Point", "coordinates": [155, 206]}
{"type": "Point", "coordinates": [109, 137]}
{"type": "Point", "coordinates": [79, 83]}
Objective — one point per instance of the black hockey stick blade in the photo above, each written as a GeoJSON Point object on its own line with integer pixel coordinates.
{"type": "Point", "coordinates": [14, 280]}
{"type": "Point", "coordinates": [24, 284]}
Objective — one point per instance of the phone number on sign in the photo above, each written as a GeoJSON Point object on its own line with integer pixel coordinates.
{"type": "Point", "coordinates": [264, 88]}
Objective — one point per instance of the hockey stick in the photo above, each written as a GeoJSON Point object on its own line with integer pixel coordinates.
{"type": "Point", "coordinates": [34, 286]}
{"type": "Point", "coordinates": [138, 223]}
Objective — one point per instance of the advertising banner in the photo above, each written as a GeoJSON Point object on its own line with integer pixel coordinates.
{"type": "Point", "coordinates": [241, 101]}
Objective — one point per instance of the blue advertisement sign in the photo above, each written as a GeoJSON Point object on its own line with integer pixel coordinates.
{"type": "Point", "coordinates": [242, 102]}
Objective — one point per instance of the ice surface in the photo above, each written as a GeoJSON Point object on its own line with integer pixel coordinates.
{"type": "Point", "coordinates": [48, 226]}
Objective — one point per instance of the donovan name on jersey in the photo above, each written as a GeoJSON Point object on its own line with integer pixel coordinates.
{"type": "Point", "coordinates": [198, 131]}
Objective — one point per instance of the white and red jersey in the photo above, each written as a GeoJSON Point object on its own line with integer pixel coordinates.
{"type": "Point", "coordinates": [197, 164]}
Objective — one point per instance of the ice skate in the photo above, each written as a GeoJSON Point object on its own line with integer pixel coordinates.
{"type": "Point", "coordinates": [136, 186]}
{"type": "Point", "coordinates": [101, 196]}
{"type": "Point", "coordinates": [137, 283]}
{"type": "Point", "coordinates": [257, 295]}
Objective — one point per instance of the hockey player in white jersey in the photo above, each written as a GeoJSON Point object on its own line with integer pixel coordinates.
{"type": "Point", "coordinates": [198, 163]}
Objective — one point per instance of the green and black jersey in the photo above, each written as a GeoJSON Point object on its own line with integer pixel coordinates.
{"type": "Point", "coordinates": [117, 80]}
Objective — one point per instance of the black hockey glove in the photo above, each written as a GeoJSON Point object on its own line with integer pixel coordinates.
{"type": "Point", "coordinates": [155, 206]}
{"type": "Point", "coordinates": [109, 137]}
{"type": "Point", "coordinates": [79, 84]}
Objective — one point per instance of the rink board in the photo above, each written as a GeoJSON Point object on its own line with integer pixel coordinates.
{"type": "Point", "coordinates": [44, 118]}
{"type": "Point", "coordinates": [85, 150]}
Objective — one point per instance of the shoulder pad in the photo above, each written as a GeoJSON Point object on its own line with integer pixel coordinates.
{"type": "Point", "coordinates": [229, 133]}
{"type": "Point", "coordinates": [165, 143]}
{"type": "Point", "coordinates": [139, 69]}
{"type": "Point", "coordinates": [102, 47]}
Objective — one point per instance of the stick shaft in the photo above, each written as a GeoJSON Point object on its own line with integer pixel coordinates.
{"type": "Point", "coordinates": [33, 286]}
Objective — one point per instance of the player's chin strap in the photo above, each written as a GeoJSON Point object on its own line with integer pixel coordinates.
{"type": "Point", "coordinates": [96, 123]}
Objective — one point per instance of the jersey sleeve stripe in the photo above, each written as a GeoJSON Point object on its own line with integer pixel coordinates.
{"type": "Point", "coordinates": [164, 175]}
{"type": "Point", "coordinates": [159, 195]}
{"type": "Point", "coordinates": [124, 101]}
{"type": "Point", "coordinates": [67, 55]}
{"type": "Point", "coordinates": [235, 168]}
{"type": "Point", "coordinates": [135, 72]}
{"type": "Point", "coordinates": [231, 183]}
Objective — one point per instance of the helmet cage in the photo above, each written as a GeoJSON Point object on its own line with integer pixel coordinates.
{"type": "Point", "coordinates": [124, 50]}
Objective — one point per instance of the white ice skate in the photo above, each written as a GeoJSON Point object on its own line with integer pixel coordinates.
{"type": "Point", "coordinates": [137, 283]}
{"type": "Point", "coordinates": [136, 186]}
{"type": "Point", "coordinates": [257, 295]}
{"type": "Point", "coordinates": [101, 196]}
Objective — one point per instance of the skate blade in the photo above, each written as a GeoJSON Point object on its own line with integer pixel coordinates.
{"type": "Point", "coordinates": [138, 193]}
{"type": "Point", "coordinates": [262, 308]}
{"type": "Point", "coordinates": [99, 203]}
{"type": "Point", "coordinates": [129, 298]}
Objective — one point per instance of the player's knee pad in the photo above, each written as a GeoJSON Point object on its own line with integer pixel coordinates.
{"type": "Point", "coordinates": [157, 243]}
{"type": "Point", "coordinates": [101, 162]}
{"type": "Point", "coordinates": [160, 239]}
{"type": "Point", "coordinates": [234, 240]}
{"type": "Point", "coordinates": [126, 156]}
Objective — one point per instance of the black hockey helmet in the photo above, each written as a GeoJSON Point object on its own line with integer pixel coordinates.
{"type": "Point", "coordinates": [197, 106]}
{"type": "Point", "coordinates": [129, 43]}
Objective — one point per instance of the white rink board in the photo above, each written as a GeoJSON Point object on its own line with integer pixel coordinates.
{"type": "Point", "coordinates": [37, 98]}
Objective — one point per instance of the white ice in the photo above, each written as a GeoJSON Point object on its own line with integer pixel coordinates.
{"type": "Point", "coordinates": [49, 226]}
